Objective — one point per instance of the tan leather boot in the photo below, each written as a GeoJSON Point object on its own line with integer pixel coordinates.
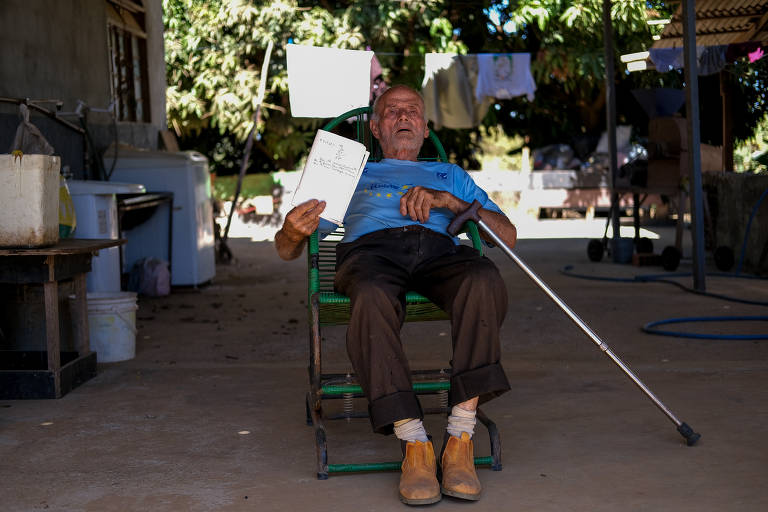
{"type": "Point", "coordinates": [418, 481]}
{"type": "Point", "coordinates": [458, 465]}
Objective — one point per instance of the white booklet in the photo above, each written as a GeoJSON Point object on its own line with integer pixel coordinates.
{"type": "Point", "coordinates": [333, 168]}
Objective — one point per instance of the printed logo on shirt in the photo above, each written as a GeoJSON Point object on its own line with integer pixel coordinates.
{"type": "Point", "coordinates": [375, 186]}
{"type": "Point", "coordinates": [442, 175]}
{"type": "Point", "coordinates": [385, 190]}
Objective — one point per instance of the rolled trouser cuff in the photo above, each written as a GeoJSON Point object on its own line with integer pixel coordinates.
{"type": "Point", "coordinates": [487, 382]}
{"type": "Point", "coordinates": [388, 409]}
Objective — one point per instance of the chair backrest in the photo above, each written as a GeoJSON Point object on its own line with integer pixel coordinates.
{"type": "Point", "coordinates": [322, 253]}
{"type": "Point", "coordinates": [361, 132]}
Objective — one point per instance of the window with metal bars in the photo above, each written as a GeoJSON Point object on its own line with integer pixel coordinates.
{"type": "Point", "coordinates": [127, 41]}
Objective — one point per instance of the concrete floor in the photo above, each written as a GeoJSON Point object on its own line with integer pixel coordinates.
{"type": "Point", "coordinates": [209, 416]}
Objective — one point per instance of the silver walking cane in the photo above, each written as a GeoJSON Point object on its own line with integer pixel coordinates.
{"type": "Point", "coordinates": [472, 213]}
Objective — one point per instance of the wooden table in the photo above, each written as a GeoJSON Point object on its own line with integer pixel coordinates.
{"type": "Point", "coordinates": [21, 373]}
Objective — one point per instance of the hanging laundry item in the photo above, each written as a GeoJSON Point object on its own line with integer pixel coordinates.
{"type": "Point", "coordinates": [666, 59]}
{"type": "Point", "coordinates": [449, 91]}
{"type": "Point", "coordinates": [711, 59]}
{"type": "Point", "coordinates": [326, 82]}
{"type": "Point", "coordinates": [504, 76]}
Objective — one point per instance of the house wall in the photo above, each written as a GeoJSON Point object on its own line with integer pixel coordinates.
{"type": "Point", "coordinates": [58, 50]}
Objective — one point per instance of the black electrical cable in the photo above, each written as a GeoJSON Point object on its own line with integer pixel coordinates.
{"type": "Point", "coordinates": [662, 278]}
{"type": "Point", "coordinates": [665, 278]}
{"type": "Point", "coordinates": [116, 142]}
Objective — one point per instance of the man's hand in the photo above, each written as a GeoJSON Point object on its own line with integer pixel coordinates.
{"type": "Point", "coordinates": [417, 202]}
{"type": "Point", "coordinates": [299, 223]}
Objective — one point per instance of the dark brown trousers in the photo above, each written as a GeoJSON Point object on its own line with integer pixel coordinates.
{"type": "Point", "coordinates": [375, 271]}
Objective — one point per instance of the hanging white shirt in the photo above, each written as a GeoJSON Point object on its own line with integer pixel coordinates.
{"type": "Point", "coordinates": [326, 82]}
{"type": "Point", "coordinates": [504, 76]}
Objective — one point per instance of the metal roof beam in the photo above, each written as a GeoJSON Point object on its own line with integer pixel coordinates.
{"type": "Point", "coordinates": [758, 26]}
{"type": "Point", "coordinates": [708, 32]}
{"type": "Point", "coordinates": [674, 20]}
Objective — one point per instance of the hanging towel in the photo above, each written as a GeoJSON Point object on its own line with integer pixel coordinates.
{"type": "Point", "coordinates": [712, 59]}
{"type": "Point", "coordinates": [448, 91]}
{"type": "Point", "coordinates": [326, 82]}
{"type": "Point", "coordinates": [504, 75]}
{"type": "Point", "coordinates": [666, 58]}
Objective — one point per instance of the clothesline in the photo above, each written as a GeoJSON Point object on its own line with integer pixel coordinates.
{"type": "Point", "coordinates": [710, 59]}
{"type": "Point", "coordinates": [458, 89]}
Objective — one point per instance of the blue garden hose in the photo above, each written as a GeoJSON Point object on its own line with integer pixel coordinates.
{"type": "Point", "coordinates": [649, 327]}
{"type": "Point", "coordinates": [665, 278]}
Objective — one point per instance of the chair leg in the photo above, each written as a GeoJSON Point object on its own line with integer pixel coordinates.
{"type": "Point", "coordinates": [309, 414]}
{"type": "Point", "coordinates": [314, 396]}
{"type": "Point", "coordinates": [315, 348]}
{"type": "Point", "coordinates": [493, 434]}
{"type": "Point", "coordinates": [321, 445]}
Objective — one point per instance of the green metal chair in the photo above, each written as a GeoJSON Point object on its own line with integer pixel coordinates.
{"type": "Point", "coordinates": [326, 307]}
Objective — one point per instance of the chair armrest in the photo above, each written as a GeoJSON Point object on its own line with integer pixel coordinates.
{"type": "Point", "coordinates": [470, 228]}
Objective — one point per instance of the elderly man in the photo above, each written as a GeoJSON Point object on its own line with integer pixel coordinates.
{"type": "Point", "coordinates": [395, 240]}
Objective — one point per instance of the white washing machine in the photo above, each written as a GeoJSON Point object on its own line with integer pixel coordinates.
{"type": "Point", "coordinates": [96, 217]}
{"type": "Point", "coordinates": [186, 175]}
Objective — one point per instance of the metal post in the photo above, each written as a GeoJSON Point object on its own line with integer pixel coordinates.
{"type": "Point", "coordinates": [694, 141]}
{"type": "Point", "coordinates": [610, 109]}
{"type": "Point", "coordinates": [248, 146]}
{"type": "Point", "coordinates": [725, 92]}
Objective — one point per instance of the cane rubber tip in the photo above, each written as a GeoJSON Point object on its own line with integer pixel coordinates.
{"type": "Point", "coordinates": [687, 432]}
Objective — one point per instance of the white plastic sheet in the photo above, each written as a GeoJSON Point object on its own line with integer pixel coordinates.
{"type": "Point", "coordinates": [326, 82]}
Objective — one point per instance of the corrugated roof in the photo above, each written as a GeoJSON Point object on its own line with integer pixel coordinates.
{"type": "Point", "coordinates": [720, 22]}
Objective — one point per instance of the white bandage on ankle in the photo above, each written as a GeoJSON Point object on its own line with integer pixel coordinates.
{"type": "Point", "coordinates": [411, 430]}
{"type": "Point", "coordinates": [461, 420]}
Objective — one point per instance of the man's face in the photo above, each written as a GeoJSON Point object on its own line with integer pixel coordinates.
{"type": "Point", "coordinates": [400, 128]}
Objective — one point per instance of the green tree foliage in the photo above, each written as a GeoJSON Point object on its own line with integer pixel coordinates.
{"type": "Point", "coordinates": [215, 50]}
{"type": "Point", "coordinates": [565, 39]}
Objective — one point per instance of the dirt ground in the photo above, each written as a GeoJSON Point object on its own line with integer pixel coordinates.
{"type": "Point", "coordinates": [210, 414]}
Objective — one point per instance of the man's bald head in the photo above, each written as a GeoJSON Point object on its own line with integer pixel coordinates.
{"type": "Point", "coordinates": [399, 123]}
{"type": "Point", "coordinates": [378, 100]}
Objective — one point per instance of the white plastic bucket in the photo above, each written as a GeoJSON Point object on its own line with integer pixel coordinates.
{"type": "Point", "coordinates": [112, 325]}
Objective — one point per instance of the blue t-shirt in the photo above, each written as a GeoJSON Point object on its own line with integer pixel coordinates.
{"type": "Point", "coordinates": [375, 204]}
